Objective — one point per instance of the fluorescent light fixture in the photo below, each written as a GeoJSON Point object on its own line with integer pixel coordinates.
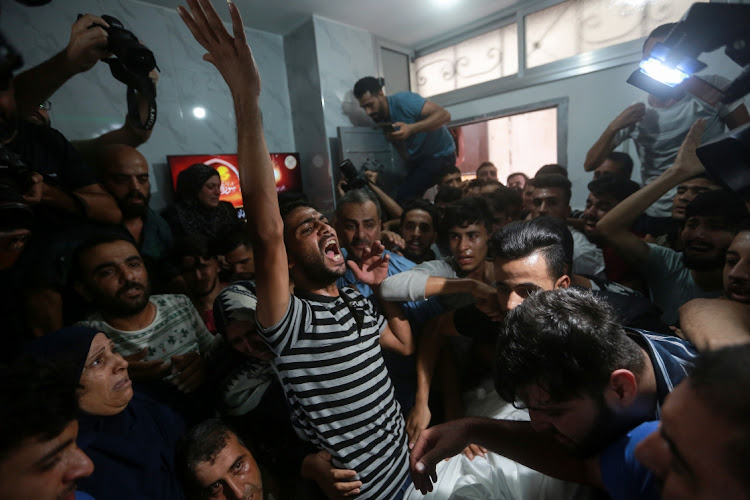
{"type": "Point", "coordinates": [661, 72]}
{"type": "Point", "coordinates": [199, 112]}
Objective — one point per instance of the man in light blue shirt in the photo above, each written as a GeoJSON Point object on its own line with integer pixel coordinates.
{"type": "Point", "coordinates": [416, 126]}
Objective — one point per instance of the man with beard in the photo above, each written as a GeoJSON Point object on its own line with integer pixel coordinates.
{"type": "Point", "coordinates": [124, 174]}
{"type": "Point", "coordinates": [326, 340]}
{"type": "Point", "coordinates": [162, 336]}
{"type": "Point", "coordinates": [585, 381]}
{"type": "Point", "coordinates": [417, 127]}
{"type": "Point", "coordinates": [711, 222]}
{"type": "Point", "coordinates": [199, 268]}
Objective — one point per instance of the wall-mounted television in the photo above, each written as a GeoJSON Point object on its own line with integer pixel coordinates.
{"type": "Point", "coordinates": [285, 168]}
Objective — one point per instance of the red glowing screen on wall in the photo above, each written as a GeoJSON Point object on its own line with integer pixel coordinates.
{"type": "Point", "coordinates": [285, 169]}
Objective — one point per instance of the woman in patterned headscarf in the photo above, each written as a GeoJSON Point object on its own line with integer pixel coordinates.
{"type": "Point", "coordinates": [197, 208]}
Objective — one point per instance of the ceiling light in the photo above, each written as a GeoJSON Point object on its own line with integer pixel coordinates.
{"type": "Point", "coordinates": [199, 112]}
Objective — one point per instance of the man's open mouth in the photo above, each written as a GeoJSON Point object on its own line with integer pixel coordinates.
{"type": "Point", "coordinates": [331, 250]}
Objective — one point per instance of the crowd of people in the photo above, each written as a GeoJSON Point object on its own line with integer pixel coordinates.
{"type": "Point", "coordinates": [546, 353]}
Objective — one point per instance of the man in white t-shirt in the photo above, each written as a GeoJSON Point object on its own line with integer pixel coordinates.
{"type": "Point", "coordinates": [162, 336]}
{"type": "Point", "coordinates": [659, 126]}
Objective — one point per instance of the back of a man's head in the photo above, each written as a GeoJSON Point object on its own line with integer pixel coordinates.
{"type": "Point", "coordinates": [448, 195]}
{"type": "Point", "coordinates": [521, 239]}
{"type": "Point", "coordinates": [506, 200]}
{"type": "Point", "coordinates": [624, 161]}
{"type": "Point", "coordinates": [564, 341]}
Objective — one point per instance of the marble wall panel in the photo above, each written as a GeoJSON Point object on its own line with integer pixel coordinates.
{"type": "Point", "coordinates": [94, 102]}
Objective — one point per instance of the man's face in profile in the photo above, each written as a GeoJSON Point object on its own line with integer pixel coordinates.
{"type": "Point", "coordinates": [45, 469]}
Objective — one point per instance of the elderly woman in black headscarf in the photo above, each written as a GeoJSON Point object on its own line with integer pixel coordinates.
{"type": "Point", "coordinates": [130, 437]}
{"type": "Point", "coordinates": [197, 208]}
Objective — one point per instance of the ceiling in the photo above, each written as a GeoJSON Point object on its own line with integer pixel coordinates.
{"type": "Point", "coordinates": [409, 23]}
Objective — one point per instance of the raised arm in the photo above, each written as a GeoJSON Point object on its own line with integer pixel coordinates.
{"type": "Point", "coordinates": [606, 142]}
{"type": "Point", "coordinates": [615, 226]}
{"type": "Point", "coordinates": [234, 60]}
{"type": "Point", "coordinates": [86, 46]}
{"type": "Point", "coordinates": [711, 324]}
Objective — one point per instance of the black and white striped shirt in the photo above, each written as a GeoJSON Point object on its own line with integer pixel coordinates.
{"type": "Point", "coordinates": [329, 361]}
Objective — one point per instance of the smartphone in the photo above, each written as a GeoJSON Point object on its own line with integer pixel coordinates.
{"type": "Point", "coordinates": [387, 127]}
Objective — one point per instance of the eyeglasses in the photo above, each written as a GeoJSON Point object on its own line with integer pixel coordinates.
{"type": "Point", "coordinates": [46, 105]}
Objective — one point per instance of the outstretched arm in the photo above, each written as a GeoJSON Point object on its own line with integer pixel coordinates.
{"type": "Point", "coordinates": [615, 226]}
{"type": "Point", "coordinates": [231, 55]}
{"type": "Point", "coordinates": [512, 439]}
{"type": "Point", "coordinates": [86, 46]}
{"type": "Point", "coordinates": [606, 142]}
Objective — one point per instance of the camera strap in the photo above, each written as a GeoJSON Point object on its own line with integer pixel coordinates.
{"type": "Point", "coordinates": [137, 84]}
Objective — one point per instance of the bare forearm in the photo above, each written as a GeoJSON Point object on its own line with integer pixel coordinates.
{"type": "Point", "coordinates": [37, 84]}
{"type": "Point", "coordinates": [433, 121]}
{"type": "Point", "coordinates": [600, 150]}
{"type": "Point", "coordinates": [127, 134]}
{"type": "Point", "coordinates": [393, 209]}
{"type": "Point", "coordinates": [399, 326]}
{"type": "Point", "coordinates": [536, 450]}
{"type": "Point", "coordinates": [429, 348]}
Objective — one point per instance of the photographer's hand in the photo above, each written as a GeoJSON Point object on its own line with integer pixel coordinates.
{"type": "Point", "coordinates": [87, 45]}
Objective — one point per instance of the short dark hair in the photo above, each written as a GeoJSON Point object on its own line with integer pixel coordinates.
{"type": "Point", "coordinates": [446, 170]}
{"type": "Point", "coordinates": [422, 205]}
{"type": "Point", "coordinates": [358, 197]}
{"type": "Point", "coordinates": [520, 239]}
{"type": "Point", "coordinates": [37, 400]}
{"type": "Point", "coordinates": [290, 206]}
{"type": "Point", "coordinates": [625, 161]}
{"type": "Point", "coordinates": [201, 443]}
{"type": "Point", "coordinates": [718, 203]}
{"type": "Point", "coordinates": [236, 237]}
{"type": "Point", "coordinates": [721, 381]}
{"type": "Point", "coordinates": [464, 212]}
{"type": "Point", "coordinates": [505, 199]}
{"type": "Point", "coordinates": [552, 168]}
{"type": "Point", "coordinates": [448, 195]}
{"type": "Point", "coordinates": [617, 188]}
{"type": "Point", "coordinates": [485, 164]}
{"type": "Point", "coordinates": [368, 84]}
{"type": "Point", "coordinates": [514, 174]}
{"type": "Point", "coordinates": [196, 246]}
{"type": "Point", "coordinates": [100, 238]}
{"type": "Point", "coordinates": [548, 181]}
{"type": "Point", "coordinates": [567, 342]}
{"type": "Point", "coordinates": [659, 32]}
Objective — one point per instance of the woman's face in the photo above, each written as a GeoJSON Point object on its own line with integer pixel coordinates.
{"type": "Point", "coordinates": [208, 196]}
{"type": "Point", "coordinates": [107, 388]}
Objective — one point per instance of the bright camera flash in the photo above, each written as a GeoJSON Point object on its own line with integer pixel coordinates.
{"type": "Point", "coordinates": [659, 71]}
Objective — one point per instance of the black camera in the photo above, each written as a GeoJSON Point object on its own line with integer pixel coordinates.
{"type": "Point", "coordinates": [354, 179]}
{"type": "Point", "coordinates": [131, 65]}
{"type": "Point", "coordinates": [135, 56]}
